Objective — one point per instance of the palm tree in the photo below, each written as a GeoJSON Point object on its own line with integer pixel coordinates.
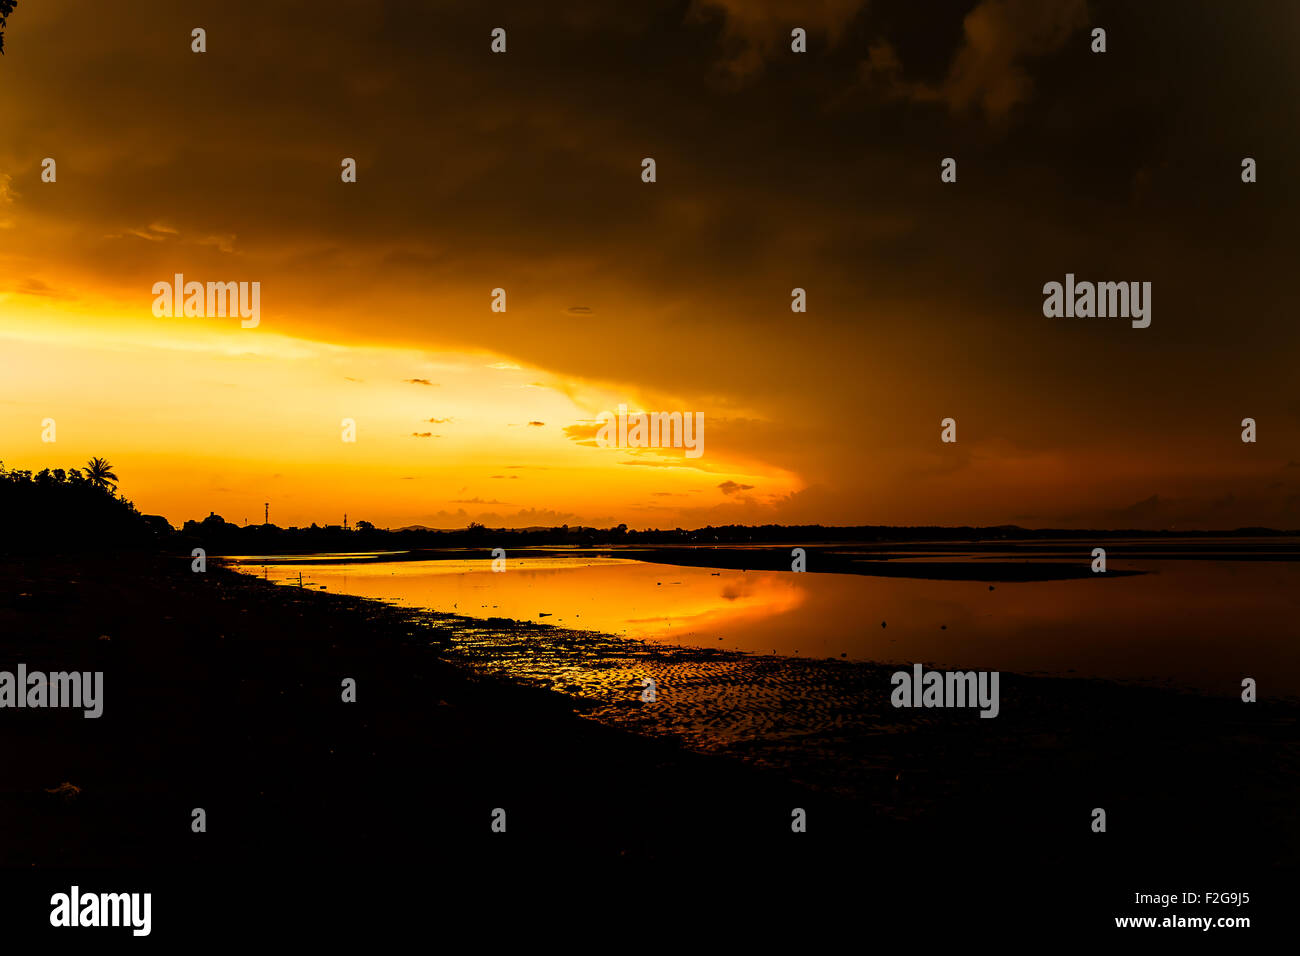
{"type": "Point", "coordinates": [100, 474]}
{"type": "Point", "coordinates": [6, 8]}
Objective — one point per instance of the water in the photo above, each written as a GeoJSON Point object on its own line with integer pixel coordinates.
{"type": "Point", "coordinates": [1193, 624]}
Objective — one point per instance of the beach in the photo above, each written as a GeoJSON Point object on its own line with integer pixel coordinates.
{"type": "Point", "coordinates": [224, 692]}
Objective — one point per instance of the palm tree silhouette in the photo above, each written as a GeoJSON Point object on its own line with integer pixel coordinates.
{"type": "Point", "coordinates": [6, 8]}
{"type": "Point", "coordinates": [100, 473]}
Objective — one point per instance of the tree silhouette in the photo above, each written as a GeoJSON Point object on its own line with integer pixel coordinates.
{"type": "Point", "coordinates": [55, 510]}
{"type": "Point", "coordinates": [6, 8]}
{"type": "Point", "coordinates": [98, 471]}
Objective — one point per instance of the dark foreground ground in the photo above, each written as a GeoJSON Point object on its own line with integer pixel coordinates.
{"type": "Point", "coordinates": [224, 692]}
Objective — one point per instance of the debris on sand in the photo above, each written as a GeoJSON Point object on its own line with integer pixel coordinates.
{"type": "Point", "coordinates": [66, 791]}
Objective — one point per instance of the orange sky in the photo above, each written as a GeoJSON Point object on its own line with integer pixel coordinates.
{"type": "Point", "coordinates": [522, 171]}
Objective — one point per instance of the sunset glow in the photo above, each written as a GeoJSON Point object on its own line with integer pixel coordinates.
{"type": "Point", "coordinates": [923, 300]}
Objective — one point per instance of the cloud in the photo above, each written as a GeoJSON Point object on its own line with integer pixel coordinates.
{"type": "Point", "coordinates": [757, 30]}
{"type": "Point", "coordinates": [734, 488]}
{"type": "Point", "coordinates": [420, 381]}
{"type": "Point", "coordinates": [1000, 34]}
{"type": "Point", "coordinates": [697, 464]}
{"type": "Point", "coordinates": [424, 435]}
{"type": "Point", "coordinates": [7, 195]}
{"type": "Point", "coordinates": [988, 70]}
{"type": "Point", "coordinates": [224, 243]}
{"type": "Point", "coordinates": [33, 286]}
{"type": "Point", "coordinates": [154, 232]}
{"type": "Point", "coordinates": [159, 232]}
{"type": "Point", "coordinates": [439, 421]}
{"type": "Point", "coordinates": [583, 433]}
{"type": "Point", "coordinates": [695, 279]}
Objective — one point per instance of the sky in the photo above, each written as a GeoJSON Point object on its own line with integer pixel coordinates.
{"type": "Point", "coordinates": [775, 170]}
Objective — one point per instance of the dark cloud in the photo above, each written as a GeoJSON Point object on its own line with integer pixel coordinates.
{"type": "Point", "coordinates": [817, 170]}
{"type": "Point", "coordinates": [734, 488]}
{"type": "Point", "coordinates": [756, 31]}
{"type": "Point", "coordinates": [991, 70]}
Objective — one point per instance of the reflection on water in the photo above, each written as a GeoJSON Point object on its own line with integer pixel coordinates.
{"type": "Point", "coordinates": [1201, 624]}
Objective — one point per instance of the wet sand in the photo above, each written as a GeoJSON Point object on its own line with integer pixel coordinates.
{"type": "Point", "coordinates": [830, 724]}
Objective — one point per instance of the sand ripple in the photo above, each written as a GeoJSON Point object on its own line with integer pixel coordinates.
{"type": "Point", "coordinates": [823, 722]}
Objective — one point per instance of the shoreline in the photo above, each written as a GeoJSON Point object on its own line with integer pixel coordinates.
{"type": "Point", "coordinates": [848, 692]}
{"type": "Point", "coordinates": [222, 692]}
